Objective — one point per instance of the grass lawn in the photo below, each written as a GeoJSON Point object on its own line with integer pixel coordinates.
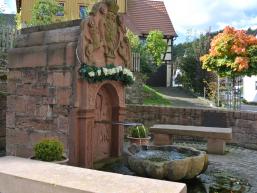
{"type": "Point", "coordinates": [153, 97]}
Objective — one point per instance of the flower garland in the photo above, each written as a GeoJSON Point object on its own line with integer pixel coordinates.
{"type": "Point", "coordinates": [94, 74]}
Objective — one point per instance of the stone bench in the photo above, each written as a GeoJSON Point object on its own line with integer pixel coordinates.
{"type": "Point", "coordinates": [18, 175]}
{"type": "Point", "coordinates": [216, 136]}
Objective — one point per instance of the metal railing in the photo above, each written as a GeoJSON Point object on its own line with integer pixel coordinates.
{"type": "Point", "coordinates": [136, 62]}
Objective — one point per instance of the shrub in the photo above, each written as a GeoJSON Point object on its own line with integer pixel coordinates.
{"type": "Point", "coordinates": [49, 150]}
{"type": "Point", "coordinates": [139, 131]}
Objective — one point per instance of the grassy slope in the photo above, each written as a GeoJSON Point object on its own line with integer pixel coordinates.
{"type": "Point", "coordinates": [153, 97]}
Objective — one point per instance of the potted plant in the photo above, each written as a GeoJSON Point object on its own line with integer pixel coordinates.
{"type": "Point", "coordinates": [50, 150]}
{"type": "Point", "coordinates": [139, 135]}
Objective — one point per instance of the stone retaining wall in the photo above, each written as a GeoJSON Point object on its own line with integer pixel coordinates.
{"type": "Point", "coordinates": [2, 121]}
{"type": "Point", "coordinates": [243, 124]}
{"type": "Point", "coordinates": [40, 88]}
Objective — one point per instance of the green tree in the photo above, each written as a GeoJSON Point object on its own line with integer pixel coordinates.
{"type": "Point", "coordinates": [186, 57]}
{"type": "Point", "coordinates": [44, 12]}
{"type": "Point", "coordinates": [156, 45]}
{"type": "Point", "coordinates": [134, 41]}
{"type": "Point", "coordinates": [137, 46]}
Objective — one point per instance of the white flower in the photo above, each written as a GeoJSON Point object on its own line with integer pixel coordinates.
{"type": "Point", "coordinates": [111, 71]}
{"type": "Point", "coordinates": [91, 74]}
{"type": "Point", "coordinates": [120, 68]}
{"type": "Point", "coordinates": [99, 72]}
{"type": "Point", "coordinates": [125, 71]}
{"type": "Point", "coordinates": [105, 70]}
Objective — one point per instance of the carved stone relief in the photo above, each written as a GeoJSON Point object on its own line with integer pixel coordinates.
{"type": "Point", "coordinates": [103, 37]}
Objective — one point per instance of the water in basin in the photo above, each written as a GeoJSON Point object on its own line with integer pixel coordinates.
{"type": "Point", "coordinates": [160, 156]}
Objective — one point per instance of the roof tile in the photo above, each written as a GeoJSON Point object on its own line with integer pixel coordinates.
{"type": "Point", "coordinates": [145, 15]}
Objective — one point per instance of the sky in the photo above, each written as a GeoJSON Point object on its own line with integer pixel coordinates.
{"type": "Point", "coordinates": [193, 17]}
{"type": "Point", "coordinates": [10, 6]}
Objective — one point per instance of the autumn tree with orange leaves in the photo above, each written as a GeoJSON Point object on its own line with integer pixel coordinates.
{"type": "Point", "coordinates": [233, 53]}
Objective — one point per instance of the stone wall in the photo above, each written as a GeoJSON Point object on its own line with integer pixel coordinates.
{"type": "Point", "coordinates": [134, 92]}
{"type": "Point", "coordinates": [2, 121]}
{"type": "Point", "coordinates": [40, 88]}
{"type": "Point", "coordinates": [243, 124]}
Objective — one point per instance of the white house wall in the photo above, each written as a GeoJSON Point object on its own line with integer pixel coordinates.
{"type": "Point", "coordinates": [249, 88]}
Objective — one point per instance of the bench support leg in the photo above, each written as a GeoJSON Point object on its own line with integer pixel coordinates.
{"type": "Point", "coordinates": [216, 146]}
{"type": "Point", "coordinates": [162, 139]}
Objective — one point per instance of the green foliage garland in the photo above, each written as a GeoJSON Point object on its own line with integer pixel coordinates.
{"type": "Point", "coordinates": [94, 74]}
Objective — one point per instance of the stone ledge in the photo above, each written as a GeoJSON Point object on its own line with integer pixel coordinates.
{"type": "Point", "coordinates": [53, 26]}
{"type": "Point", "coordinates": [18, 175]}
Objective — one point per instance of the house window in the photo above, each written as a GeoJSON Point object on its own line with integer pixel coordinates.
{"type": "Point", "coordinates": [255, 85]}
{"type": "Point", "coordinates": [83, 11]}
{"type": "Point", "coordinates": [61, 11]}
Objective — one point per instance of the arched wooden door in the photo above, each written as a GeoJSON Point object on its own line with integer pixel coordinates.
{"type": "Point", "coordinates": [102, 133]}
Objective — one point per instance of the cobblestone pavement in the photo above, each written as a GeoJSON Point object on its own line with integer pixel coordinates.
{"type": "Point", "coordinates": [239, 161]}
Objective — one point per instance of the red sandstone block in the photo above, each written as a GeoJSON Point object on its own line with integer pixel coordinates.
{"type": "Point", "coordinates": [63, 96]}
{"type": "Point", "coordinates": [42, 111]}
{"type": "Point", "coordinates": [26, 122]}
{"type": "Point", "coordinates": [11, 100]}
{"type": "Point", "coordinates": [31, 107]}
{"type": "Point", "coordinates": [30, 39]}
{"type": "Point", "coordinates": [11, 87]}
{"type": "Point", "coordinates": [14, 75]}
{"type": "Point", "coordinates": [25, 151]}
{"type": "Point", "coordinates": [56, 54]}
{"type": "Point", "coordinates": [10, 119]}
{"type": "Point", "coordinates": [20, 104]}
{"type": "Point", "coordinates": [244, 115]}
{"type": "Point", "coordinates": [10, 149]}
{"type": "Point", "coordinates": [70, 34]}
{"type": "Point", "coordinates": [23, 89]}
{"type": "Point", "coordinates": [42, 77]}
{"type": "Point", "coordinates": [39, 91]}
{"type": "Point", "coordinates": [62, 123]}
{"type": "Point", "coordinates": [16, 136]}
{"type": "Point", "coordinates": [29, 76]}
{"type": "Point", "coordinates": [27, 57]}
{"type": "Point", "coordinates": [36, 136]}
{"type": "Point", "coordinates": [251, 116]}
{"type": "Point", "coordinates": [61, 79]}
{"type": "Point", "coordinates": [71, 53]}
{"type": "Point", "coordinates": [60, 110]}
{"type": "Point", "coordinates": [49, 100]}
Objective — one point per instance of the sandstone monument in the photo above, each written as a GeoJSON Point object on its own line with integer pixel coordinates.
{"type": "Point", "coordinates": [65, 81]}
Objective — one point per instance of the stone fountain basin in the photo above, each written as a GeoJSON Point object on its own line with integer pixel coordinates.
{"type": "Point", "coordinates": [167, 162]}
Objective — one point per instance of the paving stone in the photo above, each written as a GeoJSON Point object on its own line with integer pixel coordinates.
{"type": "Point", "coordinates": [239, 161]}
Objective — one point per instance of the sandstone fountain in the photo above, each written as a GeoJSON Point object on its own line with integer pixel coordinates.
{"type": "Point", "coordinates": [167, 162]}
{"type": "Point", "coordinates": [68, 82]}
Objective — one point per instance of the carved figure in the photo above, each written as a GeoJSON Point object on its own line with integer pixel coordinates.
{"type": "Point", "coordinates": [104, 33]}
{"type": "Point", "coordinates": [125, 52]}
